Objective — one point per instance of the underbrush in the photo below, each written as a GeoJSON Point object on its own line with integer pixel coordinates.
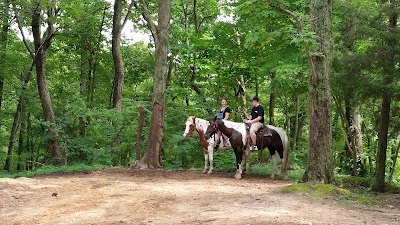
{"type": "Point", "coordinates": [52, 169]}
{"type": "Point", "coordinates": [363, 184]}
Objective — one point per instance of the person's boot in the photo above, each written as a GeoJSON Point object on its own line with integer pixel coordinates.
{"type": "Point", "coordinates": [253, 148]}
{"type": "Point", "coordinates": [217, 145]}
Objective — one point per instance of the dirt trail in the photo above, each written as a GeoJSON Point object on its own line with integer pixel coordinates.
{"type": "Point", "coordinates": [116, 196]}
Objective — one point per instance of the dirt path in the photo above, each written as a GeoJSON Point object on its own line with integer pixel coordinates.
{"type": "Point", "coordinates": [116, 196]}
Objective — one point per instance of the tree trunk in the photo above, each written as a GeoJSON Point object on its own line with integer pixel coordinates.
{"type": "Point", "coordinates": [83, 88]}
{"type": "Point", "coordinates": [1, 91]}
{"type": "Point", "coordinates": [14, 129]}
{"type": "Point", "coordinates": [118, 84]}
{"type": "Point", "coordinates": [117, 56]}
{"type": "Point", "coordinates": [257, 85]}
{"type": "Point", "coordinates": [41, 47]}
{"type": "Point", "coordinates": [320, 156]}
{"type": "Point", "coordinates": [272, 102]}
{"type": "Point", "coordinates": [349, 135]}
{"type": "Point", "coordinates": [96, 54]}
{"type": "Point", "coordinates": [21, 140]}
{"type": "Point", "coordinates": [3, 43]}
{"type": "Point", "coordinates": [139, 132]}
{"type": "Point", "coordinates": [151, 158]}
{"type": "Point", "coordinates": [29, 144]}
{"type": "Point", "coordinates": [357, 137]}
{"type": "Point", "coordinates": [384, 121]}
{"type": "Point", "coordinates": [379, 181]}
{"type": "Point", "coordinates": [296, 123]}
{"type": "Point", "coordinates": [271, 108]}
{"type": "Point", "coordinates": [395, 154]}
{"type": "Point", "coordinates": [242, 93]}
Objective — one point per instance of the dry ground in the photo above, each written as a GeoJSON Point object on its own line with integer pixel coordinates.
{"type": "Point", "coordinates": [118, 196]}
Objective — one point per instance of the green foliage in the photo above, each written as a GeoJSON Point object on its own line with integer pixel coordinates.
{"type": "Point", "coordinates": [54, 169]}
{"type": "Point", "coordinates": [328, 191]}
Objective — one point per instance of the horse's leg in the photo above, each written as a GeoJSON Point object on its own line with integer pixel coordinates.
{"type": "Point", "coordinates": [250, 162]}
{"type": "Point", "coordinates": [284, 169]}
{"type": "Point", "coordinates": [205, 162]}
{"type": "Point", "coordinates": [239, 159]}
{"type": "Point", "coordinates": [275, 159]}
{"type": "Point", "coordinates": [211, 158]}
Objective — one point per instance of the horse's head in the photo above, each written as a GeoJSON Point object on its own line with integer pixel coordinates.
{"type": "Point", "coordinates": [190, 126]}
{"type": "Point", "coordinates": [211, 129]}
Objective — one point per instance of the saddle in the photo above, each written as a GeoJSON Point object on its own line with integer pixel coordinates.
{"type": "Point", "coordinates": [264, 131]}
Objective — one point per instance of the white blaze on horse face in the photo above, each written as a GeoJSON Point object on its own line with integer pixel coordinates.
{"type": "Point", "coordinates": [187, 129]}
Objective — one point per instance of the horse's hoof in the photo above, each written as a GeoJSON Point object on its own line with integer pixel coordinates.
{"type": "Point", "coordinates": [204, 171]}
{"type": "Point", "coordinates": [238, 176]}
{"type": "Point", "coordinates": [210, 172]}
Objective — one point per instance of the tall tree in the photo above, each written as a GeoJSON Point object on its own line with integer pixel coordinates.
{"type": "Point", "coordinates": [118, 25]}
{"type": "Point", "coordinates": [14, 130]}
{"type": "Point", "coordinates": [389, 68]}
{"type": "Point", "coordinates": [320, 156]}
{"type": "Point", "coordinates": [42, 44]}
{"type": "Point", "coordinates": [118, 82]}
{"type": "Point", "coordinates": [160, 36]}
{"type": "Point", "coordinates": [5, 26]}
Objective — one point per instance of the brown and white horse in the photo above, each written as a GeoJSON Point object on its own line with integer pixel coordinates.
{"type": "Point", "coordinates": [277, 142]}
{"type": "Point", "coordinates": [199, 126]}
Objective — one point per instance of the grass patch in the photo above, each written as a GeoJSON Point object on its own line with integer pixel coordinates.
{"type": "Point", "coordinates": [355, 184]}
{"type": "Point", "coordinates": [263, 169]}
{"type": "Point", "coordinates": [328, 191]}
{"type": "Point", "coordinates": [53, 169]}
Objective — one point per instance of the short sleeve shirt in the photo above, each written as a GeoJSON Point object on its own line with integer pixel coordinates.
{"type": "Point", "coordinates": [224, 112]}
{"type": "Point", "coordinates": [257, 111]}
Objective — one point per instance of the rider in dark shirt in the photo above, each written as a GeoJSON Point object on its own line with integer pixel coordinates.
{"type": "Point", "coordinates": [256, 121]}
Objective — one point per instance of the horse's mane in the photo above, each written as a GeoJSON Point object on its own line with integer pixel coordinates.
{"type": "Point", "coordinates": [200, 123]}
{"type": "Point", "coordinates": [231, 123]}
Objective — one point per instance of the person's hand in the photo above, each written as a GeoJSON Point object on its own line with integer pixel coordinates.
{"type": "Point", "coordinates": [247, 121]}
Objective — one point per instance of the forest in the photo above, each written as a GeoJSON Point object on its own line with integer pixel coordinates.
{"type": "Point", "coordinates": [75, 75]}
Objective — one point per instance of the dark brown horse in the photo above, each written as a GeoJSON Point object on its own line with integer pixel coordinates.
{"type": "Point", "coordinates": [276, 142]}
{"type": "Point", "coordinates": [236, 132]}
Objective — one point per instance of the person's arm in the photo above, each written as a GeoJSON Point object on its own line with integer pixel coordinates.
{"type": "Point", "coordinates": [257, 119]}
{"type": "Point", "coordinates": [226, 116]}
{"type": "Point", "coordinates": [227, 113]}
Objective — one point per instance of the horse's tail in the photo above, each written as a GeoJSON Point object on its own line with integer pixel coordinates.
{"type": "Point", "coordinates": [285, 153]}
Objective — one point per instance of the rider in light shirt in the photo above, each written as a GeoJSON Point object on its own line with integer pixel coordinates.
{"type": "Point", "coordinates": [223, 113]}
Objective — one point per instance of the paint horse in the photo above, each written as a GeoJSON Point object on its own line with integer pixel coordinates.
{"type": "Point", "coordinates": [198, 125]}
{"type": "Point", "coordinates": [277, 142]}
